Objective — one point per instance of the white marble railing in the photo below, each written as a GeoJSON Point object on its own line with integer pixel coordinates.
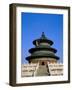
{"type": "Point", "coordinates": [29, 69]}
{"type": "Point", "coordinates": [55, 69]}
{"type": "Point", "coordinates": [35, 72]}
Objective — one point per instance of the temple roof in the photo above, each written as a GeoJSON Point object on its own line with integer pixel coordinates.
{"type": "Point", "coordinates": [42, 56]}
{"type": "Point", "coordinates": [42, 48]}
{"type": "Point", "coordinates": [43, 38]}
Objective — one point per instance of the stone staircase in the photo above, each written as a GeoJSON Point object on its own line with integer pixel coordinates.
{"type": "Point", "coordinates": [42, 71]}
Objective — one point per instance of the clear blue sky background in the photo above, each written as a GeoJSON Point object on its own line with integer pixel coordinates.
{"type": "Point", "coordinates": [33, 24]}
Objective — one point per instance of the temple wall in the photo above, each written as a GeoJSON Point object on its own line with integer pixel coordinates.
{"type": "Point", "coordinates": [42, 43]}
{"type": "Point", "coordinates": [43, 60]}
{"type": "Point", "coordinates": [44, 51]}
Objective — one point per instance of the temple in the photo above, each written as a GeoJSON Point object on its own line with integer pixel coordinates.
{"type": "Point", "coordinates": [43, 53]}
{"type": "Point", "coordinates": [42, 59]}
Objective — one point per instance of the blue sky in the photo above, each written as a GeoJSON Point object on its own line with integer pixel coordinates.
{"type": "Point", "coordinates": [33, 24]}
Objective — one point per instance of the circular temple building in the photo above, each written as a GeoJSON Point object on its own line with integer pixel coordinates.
{"type": "Point", "coordinates": [42, 53]}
